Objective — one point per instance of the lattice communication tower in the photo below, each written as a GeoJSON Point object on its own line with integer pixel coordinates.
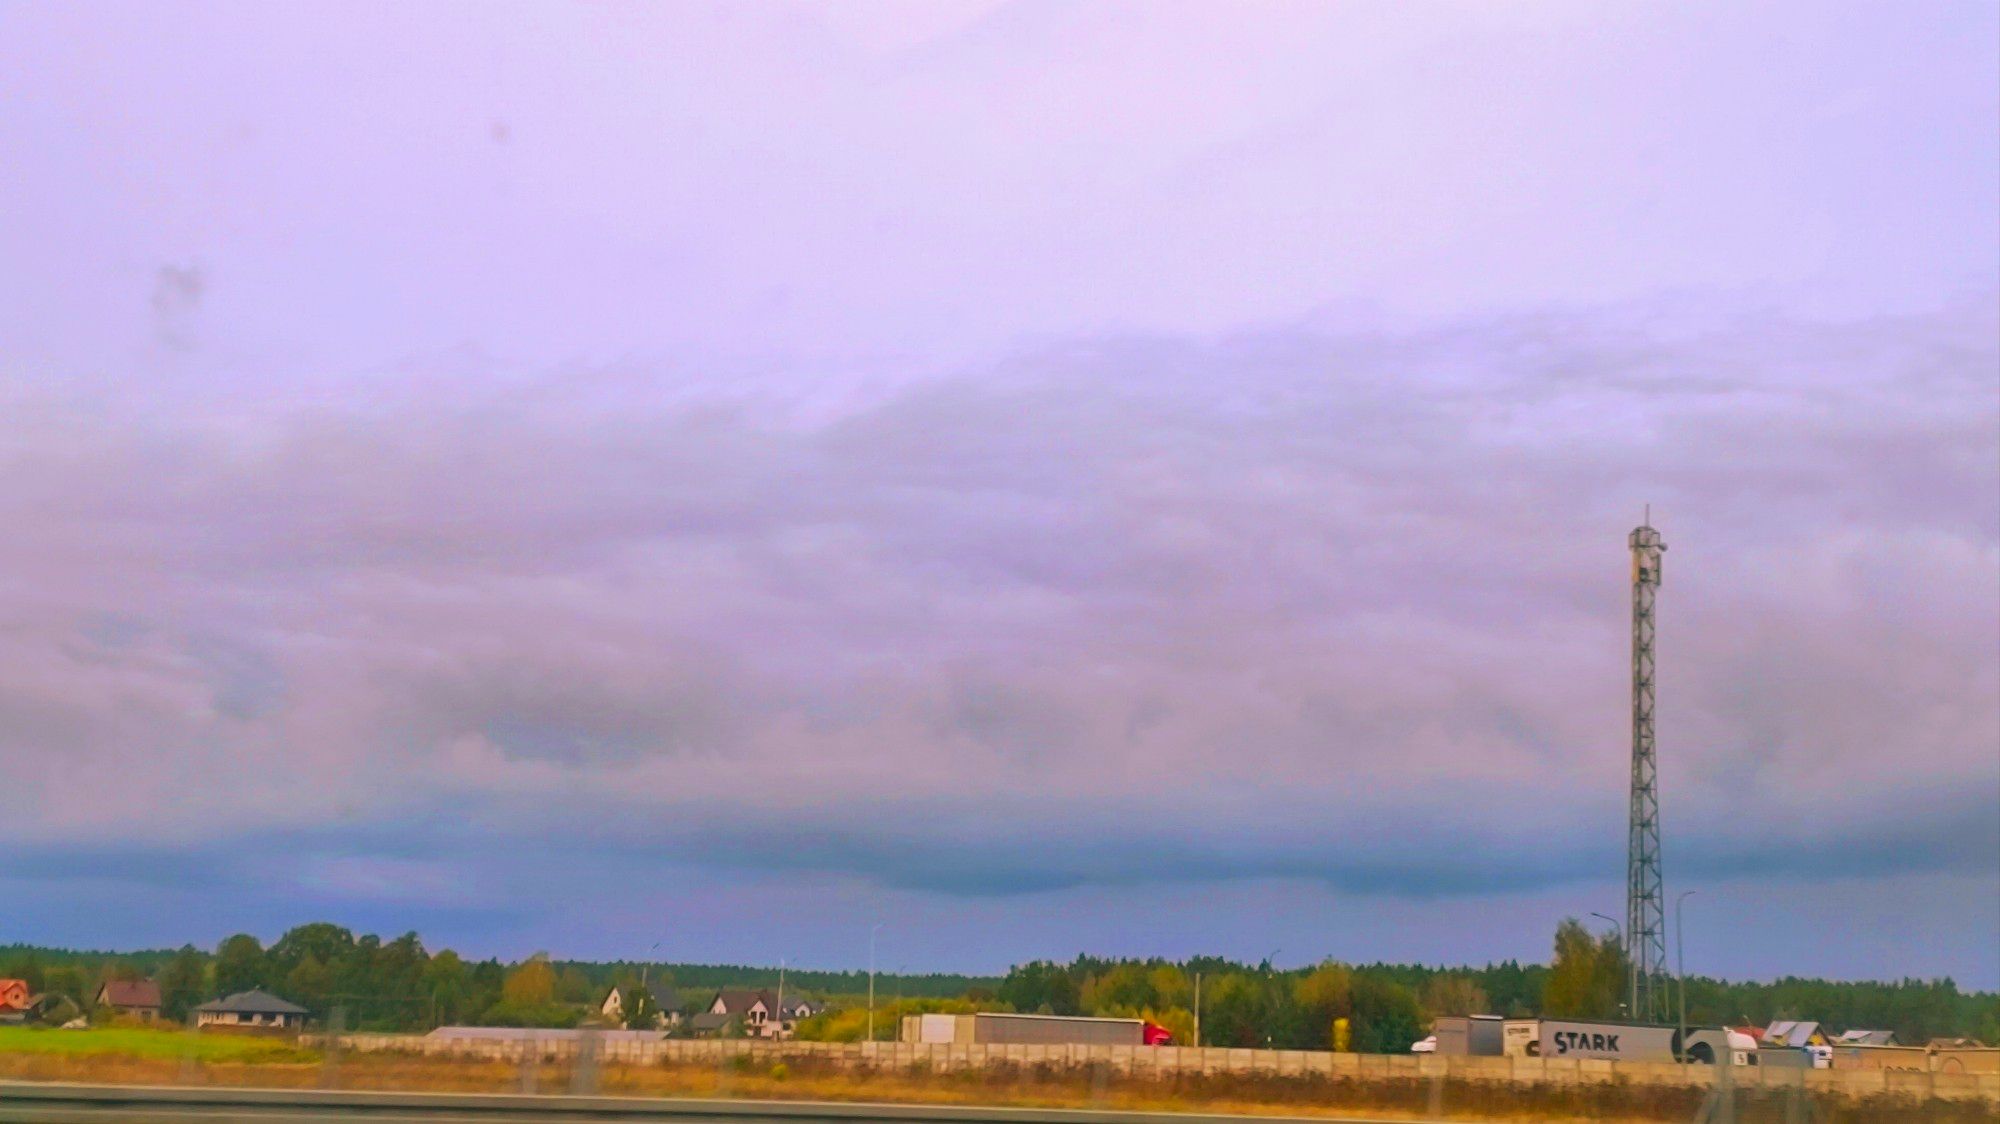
{"type": "Point", "coordinates": [1645, 905]}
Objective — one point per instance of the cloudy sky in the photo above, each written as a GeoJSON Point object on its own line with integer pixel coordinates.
{"type": "Point", "coordinates": [1142, 479]}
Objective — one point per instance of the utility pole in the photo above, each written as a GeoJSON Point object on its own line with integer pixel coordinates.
{"type": "Point", "coordinates": [781, 998]}
{"type": "Point", "coordinates": [1270, 968]}
{"type": "Point", "coordinates": [1645, 920]}
{"type": "Point", "coordinates": [1197, 1008]}
{"type": "Point", "coordinates": [1681, 968]}
{"type": "Point", "coordinates": [871, 981]}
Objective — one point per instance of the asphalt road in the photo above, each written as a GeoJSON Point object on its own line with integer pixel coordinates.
{"type": "Point", "coordinates": [127, 1104]}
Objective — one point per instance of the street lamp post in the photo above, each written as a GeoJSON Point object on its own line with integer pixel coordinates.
{"type": "Point", "coordinates": [1680, 962]}
{"type": "Point", "coordinates": [1616, 928]}
{"type": "Point", "coordinates": [871, 981]}
{"type": "Point", "coordinates": [1619, 931]}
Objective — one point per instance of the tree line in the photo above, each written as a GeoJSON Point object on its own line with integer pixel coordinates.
{"type": "Point", "coordinates": [398, 984]}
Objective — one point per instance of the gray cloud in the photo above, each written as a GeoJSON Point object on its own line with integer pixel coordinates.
{"type": "Point", "coordinates": [1346, 607]}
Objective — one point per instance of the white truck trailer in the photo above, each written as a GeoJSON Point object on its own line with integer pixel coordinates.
{"type": "Point", "coordinates": [995, 1029]}
{"type": "Point", "coordinates": [1639, 1042]}
{"type": "Point", "coordinates": [1476, 1036]}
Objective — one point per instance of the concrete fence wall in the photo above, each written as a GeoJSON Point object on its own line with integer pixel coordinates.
{"type": "Point", "coordinates": [1166, 1062]}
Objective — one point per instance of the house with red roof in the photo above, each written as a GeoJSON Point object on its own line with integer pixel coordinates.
{"type": "Point", "coordinates": [134, 999]}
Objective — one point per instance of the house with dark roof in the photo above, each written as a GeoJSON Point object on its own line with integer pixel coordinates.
{"type": "Point", "coordinates": [250, 1008]}
{"type": "Point", "coordinates": [666, 1001]}
{"type": "Point", "coordinates": [709, 1022]}
{"type": "Point", "coordinates": [757, 1010]}
{"type": "Point", "coordinates": [133, 999]}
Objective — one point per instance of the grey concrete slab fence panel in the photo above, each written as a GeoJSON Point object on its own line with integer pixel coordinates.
{"type": "Point", "coordinates": [1865, 1076]}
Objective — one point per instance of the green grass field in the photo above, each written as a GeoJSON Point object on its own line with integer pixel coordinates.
{"type": "Point", "coordinates": [137, 1042]}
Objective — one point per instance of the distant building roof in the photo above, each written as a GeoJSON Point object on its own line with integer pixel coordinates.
{"type": "Point", "coordinates": [736, 1000]}
{"type": "Point", "coordinates": [252, 1002]}
{"type": "Point", "coordinates": [710, 1020]}
{"type": "Point", "coordinates": [129, 993]}
{"type": "Point", "coordinates": [1793, 1032]}
{"type": "Point", "coordinates": [1866, 1038]}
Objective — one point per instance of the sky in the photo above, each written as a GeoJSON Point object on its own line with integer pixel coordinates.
{"type": "Point", "coordinates": [1139, 479]}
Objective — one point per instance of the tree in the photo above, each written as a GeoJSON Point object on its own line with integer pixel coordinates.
{"type": "Point", "coordinates": [1235, 1011]}
{"type": "Point", "coordinates": [1323, 995]}
{"type": "Point", "coordinates": [488, 978]}
{"type": "Point", "coordinates": [572, 986]}
{"type": "Point", "coordinates": [69, 981]}
{"type": "Point", "coordinates": [533, 984]}
{"type": "Point", "coordinates": [1172, 987]}
{"type": "Point", "coordinates": [322, 941]}
{"type": "Point", "coordinates": [1453, 994]}
{"type": "Point", "coordinates": [1041, 986]}
{"type": "Point", "coordinates": [1124, 987]}
{"type": "Point", "coordinates": [850, 1024]}
{"type": "Point", "coordinates": [1586, 977]}
{"type": "Point", "coordinates": [1386, 1016]}
{"type": "Point", "coordinates": [240, 965]}
{"type": "Point", "coordinates": [309, 984]}
{"type": "Point", "coordinates": [448, 988]}
{"type": "Point", "coordinates": [182, 983]}
{"type": "Point", "coordinates": [641, 1013]}
{"type": "Point", "coordinates": [528, 998]}
{"type": "Point", "coordinates": [26, 967]}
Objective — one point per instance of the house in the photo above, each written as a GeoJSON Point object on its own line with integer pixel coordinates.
{"type": "Point", "coordinates": [669, 1003]}
{"type": "Point", "coordinates": [138, 999]}
{"type": "Point", "coordinates": [710, 1022]}
{"type": "Point", "coordinates": [757, 1010]}
{"type": "Point", "coordinates": [1790, 1032]}
{"type": "Point", "coordinates": [250, 1008]}
{"type": "Point", "coordinates": [1866, 1038]}
{"type": "Point", "coordinates": [666, 1002]}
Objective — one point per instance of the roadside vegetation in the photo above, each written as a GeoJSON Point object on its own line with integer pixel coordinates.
{"type": "Point", "coordinates": [149, 1044]}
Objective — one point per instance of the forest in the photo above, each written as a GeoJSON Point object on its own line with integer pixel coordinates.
{"type": "Point", "coordinates": [364, 981]}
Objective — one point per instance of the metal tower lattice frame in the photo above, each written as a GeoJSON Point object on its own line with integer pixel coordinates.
{"type": "Point", "coordinates": [1645, 890]}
